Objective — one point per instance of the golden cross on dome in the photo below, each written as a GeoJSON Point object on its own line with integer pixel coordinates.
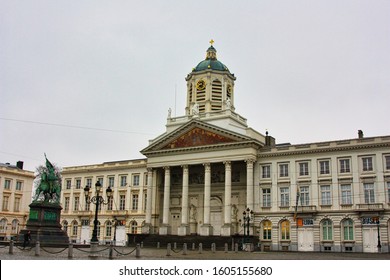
{"type": "Point", "coordinates": [211, 41]}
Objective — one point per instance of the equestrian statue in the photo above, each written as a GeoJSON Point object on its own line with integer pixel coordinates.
{"type": "Point", "coordinates": [50, 184]}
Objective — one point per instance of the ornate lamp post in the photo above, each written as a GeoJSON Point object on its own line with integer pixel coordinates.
{"type": "Point", "coordinates": [379, 246]}
{"type": "Point", "coordinates": [247, 216]}
{"type": "Point", "coordinates": [97, 200]}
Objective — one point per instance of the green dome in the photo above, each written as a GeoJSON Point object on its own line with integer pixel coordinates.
{"type": "Point", "coordinates": [211, 62]}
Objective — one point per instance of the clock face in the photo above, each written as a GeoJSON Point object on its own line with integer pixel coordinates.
{"type": "Point", "coordinates": [229, 89]}
{"type": "Point", "coordinates": [201, 85]}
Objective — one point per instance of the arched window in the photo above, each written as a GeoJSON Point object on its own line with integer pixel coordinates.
{"type": "Point", "coordinates": [108, 229]}
{"type": "Point", "coordinates": [3, 225]}
{"type": "Point", "coordinates": [65, 226]}
{"type": "Point", "coordinates": [75, 226]}
{"type": "Point", "coordinates": [134, 227]}
{"type": "Point", "coordinates": [347, 226]}
{"type": "Point", "coordinates": [266, 229]}
{"type": "Point", "coordinates": [15, 227]}
{"type": "Point", "coordinates": [285, 230]}
{"type": "Point", "coordinates": [327, 229]}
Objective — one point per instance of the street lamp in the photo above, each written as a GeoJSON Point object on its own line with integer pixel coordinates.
{"type": "Point", "coordinates": [247, 216]}
{"type": "Point", "coordinates": [97, 200]}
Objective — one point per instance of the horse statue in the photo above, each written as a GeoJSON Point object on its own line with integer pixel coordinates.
{"type": "Point", "coordinates": [49, 186]}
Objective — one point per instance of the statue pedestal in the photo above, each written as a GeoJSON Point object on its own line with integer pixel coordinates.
{"type": "Point", "coordinates": [44, 224]}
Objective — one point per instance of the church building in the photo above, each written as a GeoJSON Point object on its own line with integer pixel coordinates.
{"type": "Point", "coordinates": [210, 174]}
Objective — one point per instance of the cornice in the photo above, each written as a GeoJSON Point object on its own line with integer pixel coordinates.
{"type": "Point", "coordinates": [308, 149]}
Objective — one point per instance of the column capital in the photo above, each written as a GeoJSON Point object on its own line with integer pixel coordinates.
{"type": "Point", "coordinates": [207, 166]}
{"type": "Point", "coordinates": [166, 168]}
{"type": "Point", "coordinates": [149, 169]}
{"type": "Point", "coordinates": [250, 161]}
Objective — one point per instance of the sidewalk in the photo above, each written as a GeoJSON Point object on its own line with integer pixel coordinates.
{"type": "Point", "coordinates": [128, 253]}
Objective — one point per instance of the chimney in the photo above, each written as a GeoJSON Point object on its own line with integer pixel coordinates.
{"type": "Point", "coordinates": [360, 134]}
{"type": "Point", "coordinates": [19, 164]}
{"type": "Point", "coordinates": [269, 140]}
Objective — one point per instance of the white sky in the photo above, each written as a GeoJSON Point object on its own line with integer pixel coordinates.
{"type": "Point", "coordinates": [307, 71]}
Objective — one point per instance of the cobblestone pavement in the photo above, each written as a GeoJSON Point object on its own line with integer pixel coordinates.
{"type": "Point", "coordinates": [127, 253]}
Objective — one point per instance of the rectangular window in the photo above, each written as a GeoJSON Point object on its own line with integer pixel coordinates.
{"type": "Point", "coordinates": [285, 230]}
{"type": "Point", "coordinates": [136, 180]}
{"type": "Point", "coordinates": [7, 184]}
{"type": "Point", "coordinates": [345, 166]}
{"type": "Point", "coordinates": [89, 182]}
{"type": "Point", "coordinates": [283, 170]}
{"type": "Point", "coordinates": [346, 194]}
{"type": "Point", "coordinates": [5, 203]}
{"type": "Point", "coordinates": [66, 204]}
{"type": "Point", "coordinates": [123, 181]}
{"type": "Point", "coordinates": [76, 203]}
{"type": "Point", "coordinates": [78, 184]}
{"type": "Point", "coordinates": [19, 185]}
{"type": "Point", "coordinates": [303, 169]}
{"type": "Point", "coordinates": [369, 194]}
{"type": "Point", "coordinates": [348, 230]}
{"type": "Point", "coordinates": [325, 195]}
{"type": "Point", "coordinates": [109, 204]}
{"type": "Point", "coordinates": [387, 162]}
{"type": "Point", "coordinates": [388, 192]}
{"type": "Point", "coordinates": [304, 195]}
{"type": "Point", "coordinates": [111, 182]}
{"type": "Point", "coordinates": [367, 164]}
{"type": "Point", "coordinates": [135, 202]}
{"type": "Point", "coordinates": [122, 202]}
{"type": "Point", "coordinates": [68, 184]}
{"type": "Point", "coordinates": [266, 171]}
{"type": "Point", "coordinates": [324, 167]}
{"type": "Point", "coordinates": [17, 204]}
{"type": "Point", "coordinates": [267, 197]}
{"type": "Point", "coordinates": [284, 196]}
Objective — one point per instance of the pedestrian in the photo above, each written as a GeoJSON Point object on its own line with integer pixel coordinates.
{"type": "Point", "coordinates": [27, 239]}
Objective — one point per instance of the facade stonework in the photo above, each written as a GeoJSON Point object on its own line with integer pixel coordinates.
{"type": "Point", "coordinates": [209, 166]}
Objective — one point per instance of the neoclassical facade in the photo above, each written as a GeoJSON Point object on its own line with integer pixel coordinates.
{"type": "Point", "coordinates": [209, 166]}
{"type": "Point", "coordinates": [15, 194]}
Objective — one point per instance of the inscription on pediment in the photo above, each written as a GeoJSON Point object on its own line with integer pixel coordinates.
{"type": "Point", "coordinates": [198, 137]}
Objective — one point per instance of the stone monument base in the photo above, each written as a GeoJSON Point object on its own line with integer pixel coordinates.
{"type": "Point", "coordinates": [44, 224]}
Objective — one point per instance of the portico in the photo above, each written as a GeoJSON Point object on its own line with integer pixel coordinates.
{"type": "Point", "coordinates": [202, 168]}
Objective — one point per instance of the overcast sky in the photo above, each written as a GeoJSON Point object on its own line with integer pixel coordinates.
{"type": "Point", "coordinates": [92, 81]}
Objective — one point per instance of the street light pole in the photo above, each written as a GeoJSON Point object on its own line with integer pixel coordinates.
{"type": "Point", "coordinates": [97, 200]}
{"type": "Point", "coordinates": [379, 246]}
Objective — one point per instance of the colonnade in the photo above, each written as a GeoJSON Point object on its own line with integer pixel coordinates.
{"type": "Point", "coordinates": [206, 228]}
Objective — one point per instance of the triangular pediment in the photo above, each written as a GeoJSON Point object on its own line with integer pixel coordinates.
{"type": "Point", "coordinates": [195, 134]}
{"type": "Point", "coordinates": [198, 137]}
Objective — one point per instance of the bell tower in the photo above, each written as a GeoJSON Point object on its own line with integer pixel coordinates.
{"type": "Point", "coordinates": [210, 86]}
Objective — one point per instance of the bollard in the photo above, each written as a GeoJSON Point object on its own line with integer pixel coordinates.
{"type": "Point", "coordinates": [184, 248]}
{"type": "Point", "coordinates": [111, 252]}
{"type": "Point", "coordinates": [193, 246]}
{"type": "Point", "coordinates": [158, 245]}
{"type": "Point", "coordinates": [174, 245]}
{"type": "Point", "coordinates": [168, 249]}
{"type": "Point", "coordinates": [70, 251]}
{"type": "Point", "coordinates": [213, 247]}
{"type": "Point", "coordinates": [200, 248]}
{"type": "Point", "coordinates": [236, 247]}
{"type": "Point", "coordinates": [37, 249]}
{"type": "Point", "coordinates": [226, 247]}
{"type": "Point", "coordinates": [11, 247]}
{"type": "Point", "coordinates": [142, 244]}
{"type": "Point", "coordinates": [137, 251]}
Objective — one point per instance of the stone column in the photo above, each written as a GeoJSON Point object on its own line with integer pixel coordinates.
{"type": "Point", "coordinates": [249, 183]}
{"type": "Point", "coordinates": [206, 228]}
{"type": "Point", "coordinates": [148, 215]}
{"type": "Point", "coordinates": [184, 227]}
{"type": "Point", "coordinates": [165, 228]}
{"type": "Point", "coordinates": [226, 229]}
